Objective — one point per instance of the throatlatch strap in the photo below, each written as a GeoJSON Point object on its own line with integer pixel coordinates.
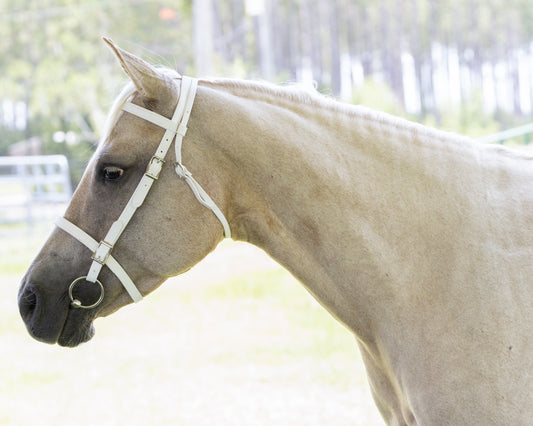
{"type": "Point", "coordinates": [181, 116]}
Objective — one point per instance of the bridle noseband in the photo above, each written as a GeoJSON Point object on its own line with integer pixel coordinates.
{"type": "Point", "coordinates": [175, 128]}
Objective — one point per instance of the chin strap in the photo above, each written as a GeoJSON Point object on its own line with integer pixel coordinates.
{"type": "Point", "coordinates": [175, 128]}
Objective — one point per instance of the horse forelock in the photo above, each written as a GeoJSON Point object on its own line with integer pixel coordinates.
{"type": "Point", "coordinates": [124, 96]}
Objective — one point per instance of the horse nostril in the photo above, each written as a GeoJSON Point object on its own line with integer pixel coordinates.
{"type": "Point", "coordinates": [27, 303]}
{"type": "Point", "coordinates": [44, 320]}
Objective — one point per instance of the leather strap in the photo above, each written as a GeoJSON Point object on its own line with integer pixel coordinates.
{"type": "Point", "coordinates": [184, 108]}
{"type": "Point", "coordinates": [203, 197]}
{"type": "Point", "coordinates": [148, 115]}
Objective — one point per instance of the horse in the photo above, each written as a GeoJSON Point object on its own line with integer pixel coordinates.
{"type": "Point", "coordinates": [418, 241]}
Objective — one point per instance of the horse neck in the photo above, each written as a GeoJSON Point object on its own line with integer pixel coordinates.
{"type": "Point", "coordinates": [329, 191]}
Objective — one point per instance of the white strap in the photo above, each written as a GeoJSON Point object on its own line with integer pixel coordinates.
{"type": "Point", "coordinates": [152, 173]}
{"type": "Point", "coordinates": [148, 115]}
{"type": "Point", "coordinates": [203, 197]}
{"type": "Point", "coordinates": [104, 248]}
{"type": "Point", "coordinates": [182, 171]}
{"type": "Point", "coordinates": [181, 116]}
{"type": "Point", "coordinates": [77, 233]}
{"type": "Point", "coordinates": [112, 264]}
{"type": "Point", "coordinates": [188, 99]}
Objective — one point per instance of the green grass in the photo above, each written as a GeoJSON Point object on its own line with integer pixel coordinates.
{"type": "Point", "coordinates": [18, 248]}
{"type": "Point", "coordinates": [255, 285]}
{"type": "Point", "coordinates": [319, 335]}
{"type": "Point", "coordinates": [12, 188]}
{"type": "Point", "coordinates": [225, 344]}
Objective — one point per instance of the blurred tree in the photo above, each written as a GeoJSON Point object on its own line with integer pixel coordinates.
{"type": "Point", "coordinates": [434, 56]}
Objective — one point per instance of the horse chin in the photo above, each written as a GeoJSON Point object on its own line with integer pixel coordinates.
{"type": "Point", "coordinates": [75, 339]}
{"type": "Point", "coordinates": [74, 333]}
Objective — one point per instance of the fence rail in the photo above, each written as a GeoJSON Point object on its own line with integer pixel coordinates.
{"type": "Point", "coordinates": [500, 137]}
{"type": "Point", "coordinates": [33, 188]}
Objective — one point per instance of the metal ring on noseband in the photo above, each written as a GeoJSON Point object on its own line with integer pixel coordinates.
{"type": "Point", "coordinates": [76, 303]}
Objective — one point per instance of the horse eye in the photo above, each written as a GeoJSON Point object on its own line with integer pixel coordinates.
{"type": "Point", "coordinates": [113, 173]}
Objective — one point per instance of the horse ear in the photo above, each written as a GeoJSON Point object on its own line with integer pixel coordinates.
{"type": "Point", "coordinates": [147, 79]}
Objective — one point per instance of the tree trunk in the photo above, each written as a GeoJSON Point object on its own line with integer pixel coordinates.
{"type": "Point", "coordinates": [203, 37]}
{"type": "Point", "coordinates": [334, 48]}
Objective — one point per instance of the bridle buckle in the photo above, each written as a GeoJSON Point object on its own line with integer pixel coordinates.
{"type": "Point", "coordinates": [182, 171]}
{"type": "Point", "coordinates": [154, 167]}
{"type": "Point", "coordinates": [102, 252]}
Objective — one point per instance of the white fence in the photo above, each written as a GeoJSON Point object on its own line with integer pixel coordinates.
{"type": "Point", "coordinates": [524, 131]}
{"type": "Point", "coordinates": [34, 188]}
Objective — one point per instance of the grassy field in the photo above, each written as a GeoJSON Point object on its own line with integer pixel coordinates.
{"type": "Point", "coordinates": [235, 341]}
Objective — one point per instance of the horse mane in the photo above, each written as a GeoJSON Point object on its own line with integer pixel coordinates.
{"type": "Point", "coordinates": [125, 94]}
{"type": "Point", "coordinates": [304, 94]}
{"type": "Point", "coordinates": [292, 92]}
{"type": "Point", "coordinates": [297, 92]}
{"type": "Point", "coordinates": [364, 116]}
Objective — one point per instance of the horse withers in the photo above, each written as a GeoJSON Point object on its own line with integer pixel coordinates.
{"type": "Point", "coordinates": [418, 241]}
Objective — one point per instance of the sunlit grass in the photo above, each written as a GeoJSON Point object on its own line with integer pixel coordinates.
{"type": "Point", "coordinates": [19, 246]}
{"type": "Point", "coordinates": [318, 336]}
{"type": "Point", "coordinates": [236, 341]}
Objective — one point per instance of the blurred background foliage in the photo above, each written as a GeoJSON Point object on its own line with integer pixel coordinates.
{"type": "Point", "coordinates": [462, 65]}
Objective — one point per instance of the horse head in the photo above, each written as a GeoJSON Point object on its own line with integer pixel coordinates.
{"type": "Point", "coordinates": [168, 232]}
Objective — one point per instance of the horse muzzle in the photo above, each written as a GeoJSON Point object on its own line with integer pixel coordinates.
{"type": "Point", "coordinates": [55, 321]}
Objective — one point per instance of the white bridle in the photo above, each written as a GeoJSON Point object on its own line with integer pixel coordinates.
{"type": "Point", "coordinates": [175, 128]}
